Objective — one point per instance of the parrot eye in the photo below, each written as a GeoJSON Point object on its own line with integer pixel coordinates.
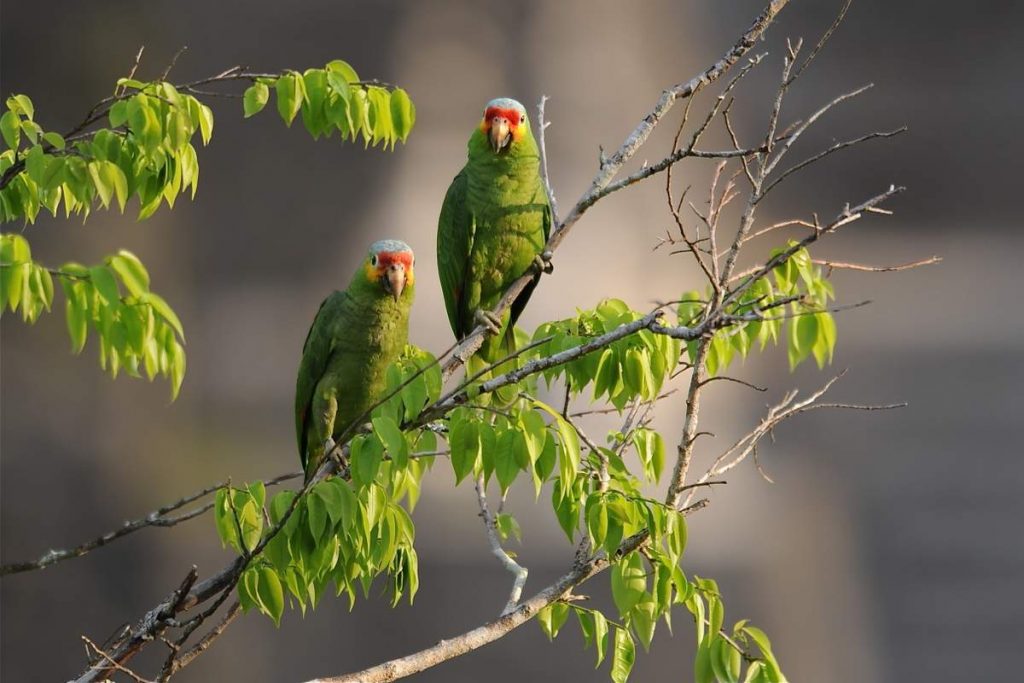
{"type": "Point", "coordinates": [521, 118]}
{"type": "Point", "coordinates": [373, 260]}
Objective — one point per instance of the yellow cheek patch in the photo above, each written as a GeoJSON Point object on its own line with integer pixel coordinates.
{"type": "Point", "coordinates": [484, 127]}
{"type": "Point", "coordinates": [372, 272]}
{"type": "Point", "coordinates": [518, 132]}
{"type": "Point", "coordinates": [410, 277]}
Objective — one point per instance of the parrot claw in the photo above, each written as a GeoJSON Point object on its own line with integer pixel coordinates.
{"type": "Point", "coordinates": [328, 446]}
{"type": "Point", "coordinates": [488, 320]}
{"type": "Point", "coordinates": [542, 263]}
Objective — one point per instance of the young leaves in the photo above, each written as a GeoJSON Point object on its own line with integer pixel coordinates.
{"type": "Point", "coordinates": [148, 151]}
{"type": "Point", "coordinates": [137, 330]}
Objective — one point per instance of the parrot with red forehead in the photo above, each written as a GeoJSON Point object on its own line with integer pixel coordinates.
{"type": "Point", "coordinates": [494, 224]}
{"type": "Point", "coordinates": [355, 336]}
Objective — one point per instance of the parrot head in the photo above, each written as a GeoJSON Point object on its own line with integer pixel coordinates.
{"type": "Point", "coordinates": [504, 123]}
{"type": "Point", "coordinates": [389, 264]}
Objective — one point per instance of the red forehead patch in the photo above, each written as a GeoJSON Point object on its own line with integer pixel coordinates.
{"type": "Point", "coordinates": [512, 115]}
{"type": "Point", "coordinates": [386, 258]}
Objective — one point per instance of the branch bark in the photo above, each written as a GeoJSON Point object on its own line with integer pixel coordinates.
{"type": "Point", "coordinates": [518, 571]}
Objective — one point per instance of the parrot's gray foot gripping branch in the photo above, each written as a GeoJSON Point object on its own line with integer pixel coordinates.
{"type": "Point", "coordinates": [489, 320]}
{"type": "Point", "coordinates": [542, 263]}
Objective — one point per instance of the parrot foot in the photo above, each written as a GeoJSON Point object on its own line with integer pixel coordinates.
{"type": "Point", "coordinates": [542, 263]}
{"type": "Point", "coordinates": [328, 447]}
{"type": "Point", "coordinates": [488, 320]}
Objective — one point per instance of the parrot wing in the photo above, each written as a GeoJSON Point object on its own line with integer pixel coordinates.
{"type": "Point", "coordinates": [316, 354]}
{"type": "Point", "coordinates": [455, 230]}
{"type": "Point", "coordinates": [520, 302]}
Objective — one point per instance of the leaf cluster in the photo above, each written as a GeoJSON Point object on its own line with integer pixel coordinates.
{"type": "Point", "coordinates": [334, 99]}
{"type": "Point", "coordinates": [346, 530]}
{"type": "Point", "coordinates": [137, 331]}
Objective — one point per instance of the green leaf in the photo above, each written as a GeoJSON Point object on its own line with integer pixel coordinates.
{"type": "Point", "coordinates": [394, 441]}
{"type": "Point", "coordinates": [104, 282]}
{"type": "Point", "coordinates": [316, 509]}
{"type": "Point", "coordinates": [255, 98]}
{"type": "Point", "coordinates": [114, 177]}
{"type": "Point", "coordinates": [131, 271]}
{"type": "Point", "coordinates": [366, 458]}
{"type": "Point", "coordinates": [205, 123]}
{"type": "Point", "coordinates": [597, 520]}
{"type": "Point", "coordinates": [600, 635]}
{"type": "Point", "coordinates": [644, 618]}
{"type": "Point", "coordinates": [77, 324]}
{"type": "Point", "coordinates": [465, 445]}
{"type": "Point", "coordinates": [10, 127]}
{"type": "Point", "coordinates": [825, 343]}
{"type": "Point", "coordinates": [552, 618]}
{"type": "Point", "coordinates": [163, 310]}
{"type": "Point", "coordinates": [702, 664]}
{"type": "Point", "coordinates": [343, 69]}
{"type": "Point", "coordinates": [271, 594]}
{"type": "Point", "coordinates": [403, 113]}
{"type": "Point", "coordinates": [315, 85]}
{"type": "Point", "coordinates": [55, 140]}
{"type": "Point", "coordinates": [224, 520]}
{"type": "Point", "coordinates": [289, 98]}
{"type": "Point", "coordinates": [508, 526]}
{"type": "Point", "coordinates": [725, 661]}
{"type": "Point", "coordinates": [21, 104]}
{"type": "Point", "coordinates": [506, 466]}
{"type": "Point", "coordinates": [567, 509]}
{"type": "Point", "coordinates": [629, 582]}
{"type": "Point", "coordinates": [118, 114]}
{"type": "Point", "coordinates": [623, 656]}
{"type": "Point", "coordinates": [586, 619]}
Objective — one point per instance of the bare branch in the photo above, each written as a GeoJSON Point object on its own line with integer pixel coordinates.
{"type": "Point", "coordinates": [780, 412]}
{"type": "Point", "coordinates": [876, 269]}
{"type": "Point", "coordinates": [824, 39]}
{"type": "Point", "coordinates": [177, 662]}
{"type": "Point", "coordinates": [490, 524]}
{"type": "Point", "coordinates": [802, 128]}
{"type": "Point", "coordinates": [848, 215]}
{"type": "Point", "coordinates": [456, 646]}
{"type": "Point", "coordinates": [174, 60]}
{"type": "Point", "coordinates": [542, 126]}
{"type": "Point", "coordinates": [157, 518]}
{"type": "Point", "coordinates": [824, 153]}
{"type": "Point", "coordinates": [96, 648]}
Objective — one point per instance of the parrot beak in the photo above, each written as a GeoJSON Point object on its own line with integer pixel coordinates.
{"type": "Point", "coordinates": [394, 280]}
{"type": "Point", "coordinates": [499, 133]}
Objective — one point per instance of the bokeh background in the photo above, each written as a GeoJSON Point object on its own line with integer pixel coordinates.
{"type": "Point", "coordinates": [890, 547]}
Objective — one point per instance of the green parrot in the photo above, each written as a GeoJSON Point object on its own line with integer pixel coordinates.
{"type": "Point", "coordinates": [494, 223]}
{"type": "Point", "coordinates": [355, 336]}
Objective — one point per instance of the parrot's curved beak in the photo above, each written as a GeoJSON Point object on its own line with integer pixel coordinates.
{"type": "Point", "coordinates": [500, 134]}
{"type": "Point", "coordinates": [394, 280]}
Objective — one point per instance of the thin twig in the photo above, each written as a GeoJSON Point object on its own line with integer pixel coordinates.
{"type": "Point", "coordinates": [542, 126]}
{"type": "Point", "coordinates": [876, 269]}
{"type": "Point", "coordinates": [490, 524]}
{"type": "Point", "coordinates": [157, 518]}
{"type": "Point", "coordinates": [123, 669]}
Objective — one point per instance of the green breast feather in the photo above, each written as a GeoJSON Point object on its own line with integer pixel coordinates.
{"type": "Point", "coordinates": [355, 336]}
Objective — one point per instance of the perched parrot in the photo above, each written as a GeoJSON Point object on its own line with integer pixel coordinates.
{"type": "Point", "coordinates": [355, 336]}
{"type": "Point", "coordinates": [493, 226]}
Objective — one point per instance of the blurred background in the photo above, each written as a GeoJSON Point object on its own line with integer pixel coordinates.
{"type": "Point", "coordinates": [890, 546]}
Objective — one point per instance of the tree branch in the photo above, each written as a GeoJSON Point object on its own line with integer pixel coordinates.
{"type": "Point", "coordinates": [157, 518]}
{"type": "Point", "coordinates": [518, 571]}
{"type": "Point", "coordinates": [488, 633]}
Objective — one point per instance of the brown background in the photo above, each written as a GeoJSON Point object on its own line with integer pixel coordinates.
{"type": "Point", "coordinates": [890, 547]}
